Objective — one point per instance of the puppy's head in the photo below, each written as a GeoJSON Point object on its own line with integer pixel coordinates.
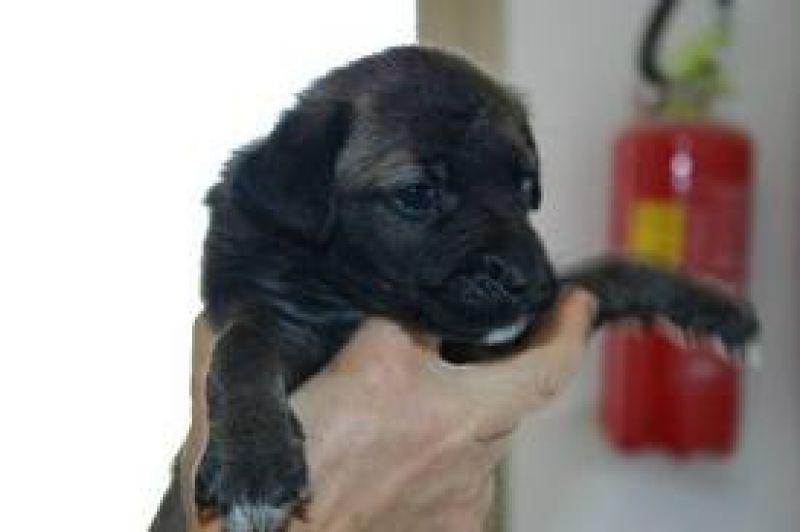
{"type": "Point", "coordinates": [410, 174]}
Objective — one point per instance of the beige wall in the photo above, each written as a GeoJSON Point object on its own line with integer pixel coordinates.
{"type": "Point", "coordinates": [573, 60]}
{"type": "Point", "coordinates": [472, 26]}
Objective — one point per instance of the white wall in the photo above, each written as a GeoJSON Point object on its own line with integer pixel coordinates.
{"type": "Point", "coordinates": [115, 117]}
{"type": "Point", "coordinates": [574, 59]}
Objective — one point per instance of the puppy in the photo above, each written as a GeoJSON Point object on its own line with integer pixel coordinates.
{"type": "Point", "coordinates": [398, 185]}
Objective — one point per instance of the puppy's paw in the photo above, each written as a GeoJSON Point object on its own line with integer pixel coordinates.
{"type": "Point", "coordinates": [627, 289]}
{"type": "Point", "coordinates": [255, 488]}
{"type": "Point", "coordinates": [260, 491]}
{"type": "Point", "coordinates": [633, 290]}
{"type": "Point", "coordinates": [208, 480]}
{"type": "Point", "coordinates": [710, 312]}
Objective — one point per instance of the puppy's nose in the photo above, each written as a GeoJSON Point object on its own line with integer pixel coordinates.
{"type": "Point", "coordinates": [508, 276]}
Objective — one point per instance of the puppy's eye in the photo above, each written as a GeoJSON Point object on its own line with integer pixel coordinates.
{"type": "Point", "coordinates": [529, 189]}
{"type": "Point", "coordinates": [417, 199]}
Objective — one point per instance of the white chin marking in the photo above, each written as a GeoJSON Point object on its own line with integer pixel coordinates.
{"type": "Point", "coordinates": [505, 334]}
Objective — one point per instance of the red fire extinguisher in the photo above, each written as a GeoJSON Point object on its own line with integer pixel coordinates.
{"type": "Point", "coordinates": [681, 189]}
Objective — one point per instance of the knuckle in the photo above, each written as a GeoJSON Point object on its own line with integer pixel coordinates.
{"type": "Point", "coordinates": [550, 383]}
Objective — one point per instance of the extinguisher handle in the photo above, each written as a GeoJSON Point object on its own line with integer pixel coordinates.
{"type": "Point", "coordinates": [656, 26]}
{"type": "Point", "coordinates": [626, 289]}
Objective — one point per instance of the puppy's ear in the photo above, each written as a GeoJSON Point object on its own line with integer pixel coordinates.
{"type": "Point", "coordinates": [285, 179]}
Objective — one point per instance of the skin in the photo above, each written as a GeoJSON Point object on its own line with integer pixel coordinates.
{"type": "Point", "coordinates": [398, 440]}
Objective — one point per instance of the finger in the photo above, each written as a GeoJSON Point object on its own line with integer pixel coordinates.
{"type": "Point", "coordinates": [474, 516]}
{"type": "Point", "coordinates": [194, 447]}
{"type": "Point", "coordinates": [555, 352]}
{"type": "Point", "coordinates": [503, 391]}
{"type": "Point", "coordinates": [202, 340]}
{"type": "Point", "coordinates": [570, 322]}
{"type": "Point", "coordinates": [485, 502]}
{"type": "Point", "coordinates": [204, 525]}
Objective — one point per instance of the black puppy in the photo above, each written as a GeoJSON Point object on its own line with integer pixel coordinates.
{"type": "Point", "coordinates": [398, 185]}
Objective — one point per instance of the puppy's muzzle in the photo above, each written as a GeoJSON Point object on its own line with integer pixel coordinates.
{"type": "Point", "coordinates": [498, 285]}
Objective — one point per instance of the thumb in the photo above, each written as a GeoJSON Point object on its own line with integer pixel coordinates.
{"type": "Point", "coordinates": [194, 446]}
{"type": "Point", "coordinates": [504, 391]}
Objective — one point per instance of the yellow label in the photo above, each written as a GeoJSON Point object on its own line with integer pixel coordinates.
{"type": "Point", "coordinates": [656, 231]}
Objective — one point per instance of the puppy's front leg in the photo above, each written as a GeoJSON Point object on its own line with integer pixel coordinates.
{"type": "Point", "coordinates": [253, 471]}
{"type": "Point", "coordinates": [627, 289]}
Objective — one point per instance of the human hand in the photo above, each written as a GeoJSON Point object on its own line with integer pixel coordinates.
{"type": "Point", "coordinates": [397, 439]}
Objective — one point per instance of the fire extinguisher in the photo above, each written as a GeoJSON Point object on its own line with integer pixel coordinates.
{"type": "Point", "coordinates": [681, 196]}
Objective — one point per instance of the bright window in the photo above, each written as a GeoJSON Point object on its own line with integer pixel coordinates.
{"type": "Point", "coordinates": [116, 118]}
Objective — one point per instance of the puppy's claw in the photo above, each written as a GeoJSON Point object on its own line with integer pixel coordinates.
{"type": "Point", "coordinates": [633, 326]}
{"type": "Point", "coordinates": [672, 333]}
{"type": "Point", "coordinates": [719, 348]}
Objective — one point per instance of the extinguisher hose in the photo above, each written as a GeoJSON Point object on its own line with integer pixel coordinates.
{"type": "Point", "coordinates": [657, 23]}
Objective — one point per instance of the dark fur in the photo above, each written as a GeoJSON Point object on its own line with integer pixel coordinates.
{"type": "Point", "coordinates": [318, 225]}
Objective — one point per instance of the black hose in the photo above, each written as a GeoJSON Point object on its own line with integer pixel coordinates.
{"type": "Point", "coordinates": [648, 57]}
